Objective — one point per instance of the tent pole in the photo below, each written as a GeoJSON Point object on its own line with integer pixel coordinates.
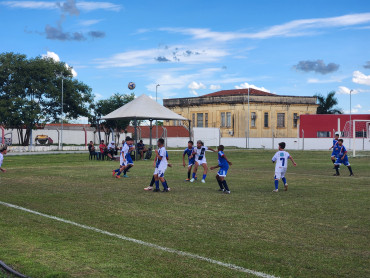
{"type": "Point", "coordinates": [135, 134]}
{"type": "Point", "coordinates": [150, 133]}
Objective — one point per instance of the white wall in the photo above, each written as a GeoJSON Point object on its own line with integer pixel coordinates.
{"type": "Point", "coordinates": [210, 136]}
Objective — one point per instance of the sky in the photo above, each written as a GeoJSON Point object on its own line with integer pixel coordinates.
{"type": "Point", "coordinates": [191, 48]}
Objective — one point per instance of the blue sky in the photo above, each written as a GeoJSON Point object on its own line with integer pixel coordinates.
{"type": "Point", "coordinates": [193, 48]}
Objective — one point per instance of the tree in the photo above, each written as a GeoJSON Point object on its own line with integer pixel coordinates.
{"type": "Point", "coordinates": [30, 93]}
{"type": "Point", "coordinates": [105, 106]}
{"type": "Point", "coordinates": [327, 104]}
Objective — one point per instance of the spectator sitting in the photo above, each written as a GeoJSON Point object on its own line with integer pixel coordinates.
{"type": "Point", "coordinates": [141, 149]}
{"type": "Point", "coordinates": [92, 151]}
{"type": "Point", "coordinates": [103, 149]}
{"type": "Point", "coordinates": [111, 150]}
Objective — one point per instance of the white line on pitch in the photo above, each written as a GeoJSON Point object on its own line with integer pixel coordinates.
{"type": "Point", "coordinates": [155, 246]}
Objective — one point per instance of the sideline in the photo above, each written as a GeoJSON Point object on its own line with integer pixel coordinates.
{"type": "Point", "coordinates": [144, 243]}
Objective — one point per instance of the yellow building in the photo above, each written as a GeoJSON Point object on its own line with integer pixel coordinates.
{"type": "Point", "coordinates": [228, 110]}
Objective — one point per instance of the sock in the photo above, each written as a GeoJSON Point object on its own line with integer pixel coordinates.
{"type": "Point", "coordinates": [194, 175]}
{"type": "Point", "coordinates": [225, 185]}
{"type": "Point", "coordinates": [350, 169]}
{"type": "Point", "coordinates": [337, 169]}
{"type": "Point", "coordinates": [156, 184]}
{"type": "Point", "coordinates": [204, 176]}
{"type": "Point", "coordinates": [220, 183]}
{"type": "Point", "coordinates": [284, 180]}
{"type": "Point", "coordinates": [125, 171]}
{"type": "Point", "coordinates": [152, 182]}
{"type": "Point", "coordinates": [276, 184]}
{"type": "Point", "coordinates": [189, 174]}
{"type": "Point", "coordinates": [117, 170]}
{"type": "Point", "coordinates": [165, 185]}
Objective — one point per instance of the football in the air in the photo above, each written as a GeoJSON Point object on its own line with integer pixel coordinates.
{"type": "Point", "coordinates": [131, 85]}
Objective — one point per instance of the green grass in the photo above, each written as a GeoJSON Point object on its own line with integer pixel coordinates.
{"type": "Point", "coordinates": [319, 228]}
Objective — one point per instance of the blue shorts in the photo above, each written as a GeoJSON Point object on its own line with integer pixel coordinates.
{"type": "Point", "coordinates": [222, 172]}
{"type": "Point", "coordinates": [191, 162]}
{"type": "Point", "coordinates": [129, 160]}
{"type": "Point", "coordinates": [345, 161]}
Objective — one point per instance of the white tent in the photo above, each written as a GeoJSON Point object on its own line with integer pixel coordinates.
{"type": "Point", "coordinates": [144, 108]}
{"type": "Point", "coordinates": [141, 108]}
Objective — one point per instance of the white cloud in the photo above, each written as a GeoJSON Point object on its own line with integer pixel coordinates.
{"type": "Point", "coordinates": [174, 54]}
{"type": "Point", "coordinates": [333, 79]}
{"type": "Point", "coordinates": [301, 27]}
{"type": "Point", "coordinates": [246, 86]}
{"type": "Point", "coordinates": [360, 78]}
{"type": "Point", "coordinates": [358, 106]}
{"type": "Point", "coordinates": [215, 87]}
{"type": "Point", "coordinates": [194, 93]}
{"type": "Point", "coordinates": [346, 91]}
{"type": "Point", "coordinates": [90, 22]}
{"type": "Point", "coordinates": [52, 55]}
{"type": "Point", "coordinates": [196, 86]}
{"type": "Point", "coordinates": [44, 5]}
{"type": "Point", "coordinates": [55, 57]}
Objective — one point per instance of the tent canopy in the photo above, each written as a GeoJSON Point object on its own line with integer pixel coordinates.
{"type": "Point", "coordinates": [142, 108]}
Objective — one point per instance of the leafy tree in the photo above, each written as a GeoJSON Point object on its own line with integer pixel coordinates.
{"type": "Point", "coordinates": [106, 106]}
{"type": "Point", "coordinates": [30, 93]}
{"type": "Point", "coordinates": [327, 104]}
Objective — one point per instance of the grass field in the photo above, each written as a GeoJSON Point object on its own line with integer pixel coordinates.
{"type": "Point", "coordinates": [319, 228]}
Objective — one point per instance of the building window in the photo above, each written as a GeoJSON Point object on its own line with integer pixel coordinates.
{"type": "Point", "coordinates": [253, 119]}
{"type": "Point", "coordinates": [193, 119]}
{"type": "Point", "coordinates": [228, 119]}
{"type": "Point", "coordinates": [325, 134]}
{"type": "Point", "coordinates": [206, 120]}
{"type": "Point", "coordinates": [280, 119]}
{"type": "Point", "coordinates": [199, 119]}
{"type": "Point", "coordinates": [295, 120]}
{"type": "Point", "coordinates": [266, 120]}
{"type": "Point", "coordinates": [223, 124]}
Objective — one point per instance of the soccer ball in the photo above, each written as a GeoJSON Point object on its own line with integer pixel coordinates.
{"type": "Point", "coordinates": [131, 85]}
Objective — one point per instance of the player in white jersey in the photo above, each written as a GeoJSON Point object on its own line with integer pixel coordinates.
{"type": "Point", "coordinates": [125, 159]}
{"type": "Point", "coordinates": [160, 164]}
{"type": "Point", "coordinates": [200, 159]}
{"type": "Point", "coordinates": [3, 151]}
{"type": "Point", "coordinates": [281, 160]}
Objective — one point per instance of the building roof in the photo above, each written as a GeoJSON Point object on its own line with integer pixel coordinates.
{"type": "Point", "coordinates": [172, 131]}
{"type": "Point", "coordinates": [236, 92]}
{"type": "Point", "coordinates": [144, 108]}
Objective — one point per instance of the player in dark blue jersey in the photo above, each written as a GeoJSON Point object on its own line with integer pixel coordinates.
{"type": "Point", "coordinates": [223, 164]}
{"type": "Point", "coordinates": [191, 161]}
{"type": "Point", "coordinates": [342, 159]}
{"type": "Point", "coordinates": [335, 148]}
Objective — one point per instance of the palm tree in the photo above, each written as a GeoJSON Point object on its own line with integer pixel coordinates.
{"type": "Point", "coordinates": [326, 105]}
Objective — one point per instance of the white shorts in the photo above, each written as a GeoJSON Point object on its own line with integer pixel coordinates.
{"type": "Point", "coordinates": [160, 171]}
{"type": "Point", "coordinates": [280, 174]}
{"type": "Point", "coordinates": [202, 161]}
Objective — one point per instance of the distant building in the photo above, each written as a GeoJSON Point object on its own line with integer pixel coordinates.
{"type": "Point", "coordinates": [228, 110]}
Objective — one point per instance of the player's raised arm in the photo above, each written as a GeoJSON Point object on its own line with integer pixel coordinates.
{"type": "Point", "coordinates": [212, 150]}
{"type": "Point", "coordinates": [291, 158]}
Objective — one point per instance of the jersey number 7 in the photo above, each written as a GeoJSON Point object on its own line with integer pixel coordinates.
{"type": "Point", "coordinates": [283, 161]}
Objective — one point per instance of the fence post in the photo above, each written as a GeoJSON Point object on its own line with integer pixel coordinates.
{"type": "Point", "coordinates": [302, 140]}
{"type": "Point", "coordinates": [272, 138]}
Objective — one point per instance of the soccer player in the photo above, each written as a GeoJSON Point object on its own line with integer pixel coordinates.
{"type": "Point", "coordinates": [160, 166]}
{"type": "Point", "coordinates": [342, 159]}
{"type": "Point", "coordinates": [150, 187]}
{"type": "Point", "coordinates": [191, 161]}
{"type": "Point", "coordinates": [200, 159]}
{"type": "Point", "coordinates": [3, 151]}
{"type": "Point", "coordinates": [281, 159]}
{"type": "Point", "coordinates": [223, 164]}
{"type": "Point", "coordinates": [335, 148]}
{"type": "Point", "coordinates": [125, 159]}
